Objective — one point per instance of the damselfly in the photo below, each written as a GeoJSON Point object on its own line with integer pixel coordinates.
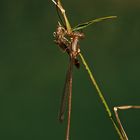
{"type": "Point", "coordinates": [68, 43]}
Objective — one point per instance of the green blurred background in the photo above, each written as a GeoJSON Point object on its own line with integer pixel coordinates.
{"type": "Point", "coordinates": [32, 70]}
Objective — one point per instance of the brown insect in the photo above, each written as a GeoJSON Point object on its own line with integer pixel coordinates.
{"type": "Point", "coordinates": [68, 43]}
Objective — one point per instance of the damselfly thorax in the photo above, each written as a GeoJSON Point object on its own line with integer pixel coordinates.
{"type": "Point", "coordinates": [68, 42]}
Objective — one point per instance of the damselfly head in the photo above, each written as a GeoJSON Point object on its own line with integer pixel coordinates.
{"type": "Point", "coordinates": [60, 32]}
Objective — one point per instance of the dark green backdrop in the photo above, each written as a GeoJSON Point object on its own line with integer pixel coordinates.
{"type": "Point", "coordinates": [32, 70]}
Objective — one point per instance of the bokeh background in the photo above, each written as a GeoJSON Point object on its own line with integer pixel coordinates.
{"type": "Point", "coordinates": [32, 70]}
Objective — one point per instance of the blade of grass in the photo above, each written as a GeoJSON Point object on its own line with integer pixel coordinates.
{"type": "Point", "coordinates": [100, 95]}
{"type": "Point", "coordinates": [88, 23]}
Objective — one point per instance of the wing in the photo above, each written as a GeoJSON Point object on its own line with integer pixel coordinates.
{"type": "Point", "coordinates": [66, 91]}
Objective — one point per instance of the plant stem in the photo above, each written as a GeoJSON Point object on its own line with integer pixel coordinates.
{"type": "Point", "coordinates": [100, 95]}
{"type": "Point", "coordinates": [62, 10]}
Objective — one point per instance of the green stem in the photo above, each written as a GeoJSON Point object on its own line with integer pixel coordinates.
{"type": "Point", "coordinates": [62, 10]}
{"type": "Point", "coordinates": [101, 95]}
